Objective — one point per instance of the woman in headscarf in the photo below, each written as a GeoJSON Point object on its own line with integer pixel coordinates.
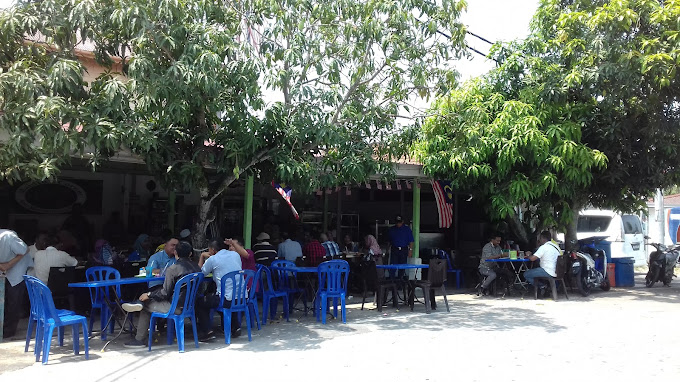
{"type": "Point", "coordinates": [140, 248]}
{"type": "Point", "coordinates": [372, 248]}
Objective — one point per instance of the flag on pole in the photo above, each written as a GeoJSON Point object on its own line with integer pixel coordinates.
{"type": "Point", "coordinates": [398, 184]}
{"type": "Point", "coordinates": [285, 193]}
{"type": "Point", "coordinates": [368, 184]}
{"type": "Point", "coordinates": [444, 197]}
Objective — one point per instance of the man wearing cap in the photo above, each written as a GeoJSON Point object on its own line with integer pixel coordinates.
{"type": "Point", "coordinates": [263, 249]}
{"type": "Point", "coordinates": [401, 238]}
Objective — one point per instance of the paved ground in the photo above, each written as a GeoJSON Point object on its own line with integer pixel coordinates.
{"type": "Point", "coordinates": [621, 335]}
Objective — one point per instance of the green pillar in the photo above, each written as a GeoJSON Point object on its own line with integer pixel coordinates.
{"type": "Point", "coordinates": [171, 210]}
{"type": "Point", "coordinates": [248, 212]}
{"type": "Point", "coordinates": [416, 219]}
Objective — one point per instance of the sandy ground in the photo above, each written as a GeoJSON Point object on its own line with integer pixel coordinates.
{"type": "Point", "coordinates": [625, 334]}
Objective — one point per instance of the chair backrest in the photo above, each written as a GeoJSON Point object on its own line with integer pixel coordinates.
{"type": "Point", "coordinates": [268, 284]}
{"type": "Point", "coordinates": [99, 274]}
{"type": "Point", "coordinates": [333, 276]}
{"type": "Point", "coordinates": [442, 254]}
{"type": "Point", "coordinates": [42, 297]}
{"type": "Point", "coordinates": [369, 272]}
{"type": "Point", "coordinates": [31, 296]}
{"type": "Point", "coordinates": [185, 292]}
{"type": "Point", "coordinates": [561, 266]}
{"type": "Point", "coordinates": [239, 286]}
{"type": "Point", "coordinates": [284, 279]}
{"type": "Point", "coordinates": [257, 281]}
{"type": "Point", "coordinates": [59, 279]}
{"type": "Point", "coordinates": [436, 275]}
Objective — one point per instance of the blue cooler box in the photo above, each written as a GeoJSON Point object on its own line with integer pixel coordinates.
{"type": "Point", "coordinates": [625, 271]}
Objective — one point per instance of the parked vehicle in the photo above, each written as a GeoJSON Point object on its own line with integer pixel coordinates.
{"type": "Point", "coordinates": [623, 231]}
{"type": "Point", "coordinates": [587, 267]}
{"type": "Point", "coordinates": [662, 264]}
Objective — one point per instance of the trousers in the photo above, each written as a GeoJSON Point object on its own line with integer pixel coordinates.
{"type": "Point", "coordinates": [151, 306]}
{"type": "Point", "coordinates": [14, 302]}
{"type": "Point", "coordinates": [203, 307]}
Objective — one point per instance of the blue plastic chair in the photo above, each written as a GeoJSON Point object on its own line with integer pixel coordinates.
{"type": "Point", "coordinates": [442, 254]}
{"type": "Point", "coordinates": [48, 318]}
{"type": "Point", "coordinates": [286, 281]}
{"type": "Point", "coordinates": [239, 300]}
{"type": "Point", "coordinates": [269, 292]}
{"type": "Point", "coordinates": [98, 296]}
{"type": "Point", "coordinates": [333, 277]}
{"type": "Point", "coordinates": [190, 284]}
{"type": "Point", "coordinates": [34, 322]}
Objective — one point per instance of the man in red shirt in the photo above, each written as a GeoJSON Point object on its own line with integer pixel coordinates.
{"type": "Point", "coordinates": [314, 252]}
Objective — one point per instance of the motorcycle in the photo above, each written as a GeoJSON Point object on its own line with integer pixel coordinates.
{"type": "Point", "coordinates": [661, 264]}
{"type": "Point", "coordinates": [588, 267]}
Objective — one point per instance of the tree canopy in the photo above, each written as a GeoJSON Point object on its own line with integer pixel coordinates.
{"type": "Point", "coordinates": [583, 111]}
{"type": "Point", "coordinates": [307, 92]}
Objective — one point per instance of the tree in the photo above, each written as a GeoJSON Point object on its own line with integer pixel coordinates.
{"type": "Point", "coordinates": [597, 83]}
{"type": "Point", "coordinates": [340, 74]}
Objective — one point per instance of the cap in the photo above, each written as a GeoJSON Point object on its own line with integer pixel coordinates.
{"type": "Point", "coordinates": [399, 219]}
{"type": "Point", "coordinates": [183, 234]}
{"type": "Point", "coordinates": [262, 236]}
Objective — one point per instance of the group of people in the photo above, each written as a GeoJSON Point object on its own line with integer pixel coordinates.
{"type": "Point", "coordinates": [547, 253]}
{"type": "Point", "coordinates": [174, 262]}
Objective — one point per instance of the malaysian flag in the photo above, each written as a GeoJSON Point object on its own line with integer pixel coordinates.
{"type": "Point", "coordinates": [444, 196]}
{"type": "Point", "coordinates": [285, 193]}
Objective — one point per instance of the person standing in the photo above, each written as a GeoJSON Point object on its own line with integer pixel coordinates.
{"type": "Point", "coordinates": [14, 262]}
{"type": "Point", "coordinates": [401, 238]}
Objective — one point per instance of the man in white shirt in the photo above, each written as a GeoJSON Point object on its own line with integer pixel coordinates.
{"type": "Point", "coordinates": [289, 249]}
{"type": "Point", "coordinates": [14, 264]}
{"type": "Point", "coordinates": [219, 264]}
{"type": "Point", "coordinates": [547, 252]}
{"type": "Point", "coordinates": [47, 257]}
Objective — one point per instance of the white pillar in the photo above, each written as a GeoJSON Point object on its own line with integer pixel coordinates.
{"type": "Point", "coordinates": [660, 216]}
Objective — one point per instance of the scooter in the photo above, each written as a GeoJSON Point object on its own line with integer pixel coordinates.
{"type": "Point", "coordinates": [588, 267]}
{"type": "Point", "coordinates": [661, 264]}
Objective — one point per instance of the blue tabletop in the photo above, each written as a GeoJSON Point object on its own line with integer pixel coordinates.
{"type": "Point", "coordinates": [114, 282]}
{"type": "Point", "coordinates": [507, 260]}
{"type": "Point", "coordinates": [402, 266]}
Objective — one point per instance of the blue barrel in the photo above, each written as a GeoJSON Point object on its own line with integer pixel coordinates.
{"type": "Point", "coordinates": [606, 246]}
{"type": "Point", "coordinates": [625, 271]}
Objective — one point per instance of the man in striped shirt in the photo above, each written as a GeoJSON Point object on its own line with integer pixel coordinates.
{"type": "Point", "coordinates": [331, 247]}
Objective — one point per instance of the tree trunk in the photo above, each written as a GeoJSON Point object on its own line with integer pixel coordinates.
{"type": "Point", "coordinates": [570, 238]}
{"type": "Point", "coordinates": [518, 229]}
{"type": "Point", "coordinates": [206, 215]}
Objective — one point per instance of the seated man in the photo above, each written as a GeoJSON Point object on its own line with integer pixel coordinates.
{"type": "Point", "coordinates": [290, 250]}
{"type": "Point", "coordinates": [314, 252]}
{"type": "Point", "coordinates": [48, 256]}
{"type": "Point", "coordinates": [263, 249]}
{"type": "Point", "coordinates": [547, 252]}
{"type": "Point", "coordinates": [331, 247]}
{"type": "Point", "coordinates": [163, 259]}
{"type": "Point", "coordinates": [219, 264]}
{"type": "Point", "coordinates": [160, 299]}
{"type": "Point", "coordinates": [491, 270]}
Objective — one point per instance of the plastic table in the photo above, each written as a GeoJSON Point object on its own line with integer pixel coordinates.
{"type": "Point", "coordinates": [115, 305]}
{"type": "Point", "coordinates": [518, 265]}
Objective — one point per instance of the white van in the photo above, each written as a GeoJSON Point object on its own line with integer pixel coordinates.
{"type": "Point", "coordinates": [624, 232]}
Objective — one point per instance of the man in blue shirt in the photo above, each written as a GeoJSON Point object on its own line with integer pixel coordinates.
{"type": "Point", "coordinates": [289, 249]}
{"type": "Point", "coordinates": [14, 262]}
{"type": "Point", "coordinates": [401, 238]}
{"type": "Point", "coordinates": [160, 261]}
{"type": "Point", "coordinates": [219, 264]}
